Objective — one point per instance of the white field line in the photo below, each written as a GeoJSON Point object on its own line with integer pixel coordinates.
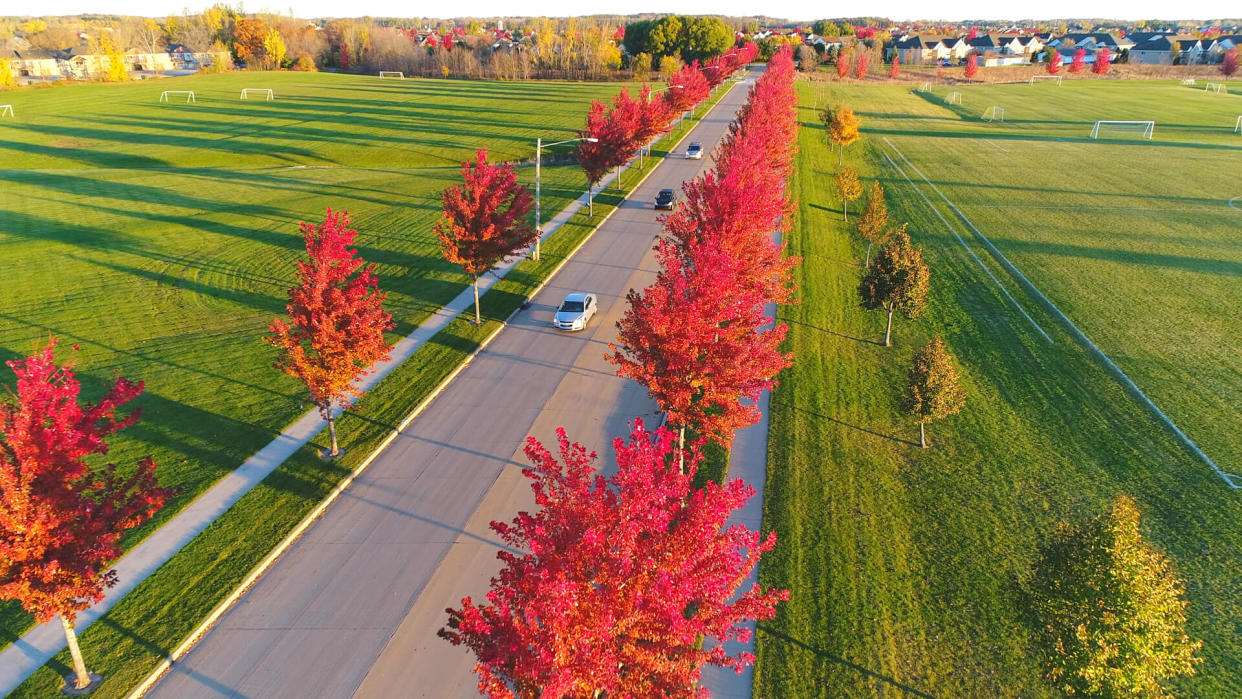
{"type": "Point", "coordinates": [948, 226]}
{"type": "Point", "coordinates": [34, 648]}
{"type": "Point", "coordinates": [1233, 205]}
{"type": "Point", "coordinates": [1233, 480]}
{"type": "Point", "coordinates": [989, 142]}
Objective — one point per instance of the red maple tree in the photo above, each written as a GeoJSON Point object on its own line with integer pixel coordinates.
{"type": "Point", "coordinates": [337, 319]}
{"type": "Point", "coordinates": [597, 150]}
{"type": "Point", "coordinates": [653, 120]}
{"type": "Point", "coordinates": [1054, 62]}
{"type": "Point", "coordinates": [626, 117]}
{"type": "Point", "coordinates": [695, 340]}
{"type": "Point", "coordinates": [687, 88]}
{"type": "Point", "coordinates": [625, 575]}
{"type": "Point", "coordinates": [860, 70]}
{"type": "Point", "coordinates": [896, 69]}
{"type": "Point", "coordinates": [484, 219]}
{"type": "Point", "coordinates": [1079, 61]}
{"type": "Point", "coordinates": [1103, 61]}
{"type": "Point", "coordinates": [1229, 64]}
{"type": "Point", "coordinates": [972, 65]}
{"type": "Point", "coordinates": [60, 519]}
{"type": "Point", "coordinates": [843, 64]}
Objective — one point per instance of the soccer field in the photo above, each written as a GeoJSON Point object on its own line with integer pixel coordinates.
{"type": "Point", "coordinates": [161, 237]}
{"type": "Point", "coordinates": [905, 565]}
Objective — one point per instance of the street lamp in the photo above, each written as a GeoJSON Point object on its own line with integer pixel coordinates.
{"type": "Point", "coordinates": [538, 157]}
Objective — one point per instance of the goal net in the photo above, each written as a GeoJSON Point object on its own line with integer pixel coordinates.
{"type": "Point", "coordinates": [955, 98]}
{"type": "Point", "coordinates": [1218, 88]}
{"type": "Point", "coordinates": [1237, 128]}
{"type": "Point", "coordinates": [263, 92]}
{"type": "Point", "coordinates": [994, 113]}
{"type": "Point", "coordinates": [7, 110]}
{"type": "Point", "coordinates": [392, 74]}
{"type": "Point", "coordinates": [189, 95]}
{"type": "Point", "coordinates": [1045, 78]}
{"type": "Point", "coordinates": [1146, 128]}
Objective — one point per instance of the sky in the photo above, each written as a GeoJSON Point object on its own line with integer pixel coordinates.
{"type": "Point", "coordinates": [951, 10]}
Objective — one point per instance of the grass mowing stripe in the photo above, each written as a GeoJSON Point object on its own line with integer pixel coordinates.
{"type": "Point", "coordinates": [1228, 478]}
{"type": "Point", "coordinates": [138, 633]}
{"type": "Point", "coordinates": [973, 256]}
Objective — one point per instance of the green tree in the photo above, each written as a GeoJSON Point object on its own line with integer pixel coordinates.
{"type": "Point", "coordinates": [825, 27]}
{"type": "Point", "coordinates": [688, 38]}
{"type": "Point", "coordinates": [934, 390]}
{"type": "Point", "coordinates": [898, 281]}
{"type": "Point", "coordinates": [874, 219]}
{"type": "Point", "coordinates": [1110, 609]}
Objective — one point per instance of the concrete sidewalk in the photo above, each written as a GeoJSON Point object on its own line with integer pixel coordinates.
{"type": "Point", "coordinates": [30, 652]}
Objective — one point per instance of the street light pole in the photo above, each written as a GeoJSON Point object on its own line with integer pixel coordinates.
{"type": "Point", "coordinates": [538, 179]}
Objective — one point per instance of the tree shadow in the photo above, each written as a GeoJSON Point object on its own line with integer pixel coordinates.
{"type": "Point", "coordinates": [820, 653]}
{"type": "Point", "coordinates": [889, 437]}
{"type": "Point", "coordinates": [864, 341]}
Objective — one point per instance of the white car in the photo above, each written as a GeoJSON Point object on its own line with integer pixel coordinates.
{"type": "Point", "coordinates": [575, 312]}
{"type": "Point", "coordinates": [694, 151]}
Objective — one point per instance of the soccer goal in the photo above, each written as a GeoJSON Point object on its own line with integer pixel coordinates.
{"type": "Point", "coordinates": [994, 113]}
{"type": "Point", "coordinates": [7, 110]}
{"type": "Point", "coordinates": [1237, 128]}
{"type": "Point", "coordinates": [1042, 78]}
{"type": "Point", "coordinates": [264, 92]}
{"type": "Point", "coordinates": [955, 97]}
{"type": "Point", "coordinates": [1188, 81]}
{"type": "Point", "coordinates": [392, 74]}
{"type": "Point", "coordinates": [189, 95]}
{"type": "Point", "coordinates": [1148, 127]}
{"type": "Point", "coordinates": [1218, 88]}
{"type": "Point", "coordinates": [925, 87]}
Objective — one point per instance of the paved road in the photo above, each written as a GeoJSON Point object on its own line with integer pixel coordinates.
{"type": "Point", "coordinates": [352, 608]}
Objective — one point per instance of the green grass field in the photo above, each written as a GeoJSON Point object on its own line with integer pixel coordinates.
{"type": "Point", "coordinates": [905, 565]}
{"type": "Point", "coordinates": [161, 238]}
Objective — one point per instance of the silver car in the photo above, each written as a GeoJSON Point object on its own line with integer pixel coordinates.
{"type": "Point", "coordinates": [575, 312]}
{"type": "Point", "coordinates": [694, 151]}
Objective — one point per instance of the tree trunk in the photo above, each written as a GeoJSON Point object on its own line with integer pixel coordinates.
{"type": "Point", "coordinates": [478, 319]}
{"type": "Point", "coordinates": [922, 436]}
{"type": "Point", "coordinates": [336, 449]}
{"type": "Point", "coordinates": [590, 203]}
{"type": "Point", "coordinates": [82, 677]}
{"type": "Point", "coordinates": [868, 262]}
{"type": "Point", "coordinates": [845, 209]}
{"type": "Point", "coordinates": [681, 450]}
{"type": "Point", "coordinates": [888, 331]}
{"type": "Point", "coordinates": [840, 154]}
{"type": "Point", "coordinates": [618, 171]}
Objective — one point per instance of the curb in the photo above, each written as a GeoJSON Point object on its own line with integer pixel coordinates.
{"type": "Point", "coordinates": [296, 533]}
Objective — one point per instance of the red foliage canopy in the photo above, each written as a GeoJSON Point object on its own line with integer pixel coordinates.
{"type": "Point", "coordinates": [484, 219]}
{"type": "Point", "coordinates": [623, 578]}
{"type": "Point", "coordinates": [60, 520]}
{"type": "Point", "coordinates": [1103, 61]}
{"type": "Point", "coordinates": [860, 70]}
{"type": "Point", "coordinates": [1054, 64]}
{"type": "Point", "coordinates": [687, 88]}
{"type": "Point", "coordinates": [1079, 62]}
{"type": "Point", "coordinates": [337, 317]}
{"type": "Point", "coordinates": [843, 64]}
{"type": "Point", "coordinates": [596, 156]}
{"type": "Point", "coordinates": [896, 69]}
{"type": "Point", "coordinates": [972, 65]}
{"type": "Point", "coordinates": [1229, 64]}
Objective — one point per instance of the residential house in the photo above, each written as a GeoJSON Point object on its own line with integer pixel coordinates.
{"type": "Point", "coordinates": [1221, 45]}
{"type": "Point", "coordinates": [33, 63]}
{"type": "Point", "coordinates": [1192, 50]}
{"type": "Point", "coordinates": [1157, 50]}
{"type": "Point", "coordinates": [981, 44]}
{"type": "Point", "coordinates": [151, 62]}
{"type": "Point", "coordinates": [910, 50]}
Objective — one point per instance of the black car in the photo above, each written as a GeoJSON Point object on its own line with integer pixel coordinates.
{"type": "Point", "coordinates": [665, 199]}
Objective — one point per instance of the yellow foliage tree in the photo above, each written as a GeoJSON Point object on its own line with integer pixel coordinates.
{"type": "Point", "coordinates": [274, 47]}
{"type": "Point", "coordinates": [874, 218]}
{"type": "Point", "coordinates": [849, 188]}
{"type": "Point", "coordinates": [116, 70]}
{"type": "Point", "coordinates": [7, 79]}
{"type": "Point", "coordinates": [844, 129]}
